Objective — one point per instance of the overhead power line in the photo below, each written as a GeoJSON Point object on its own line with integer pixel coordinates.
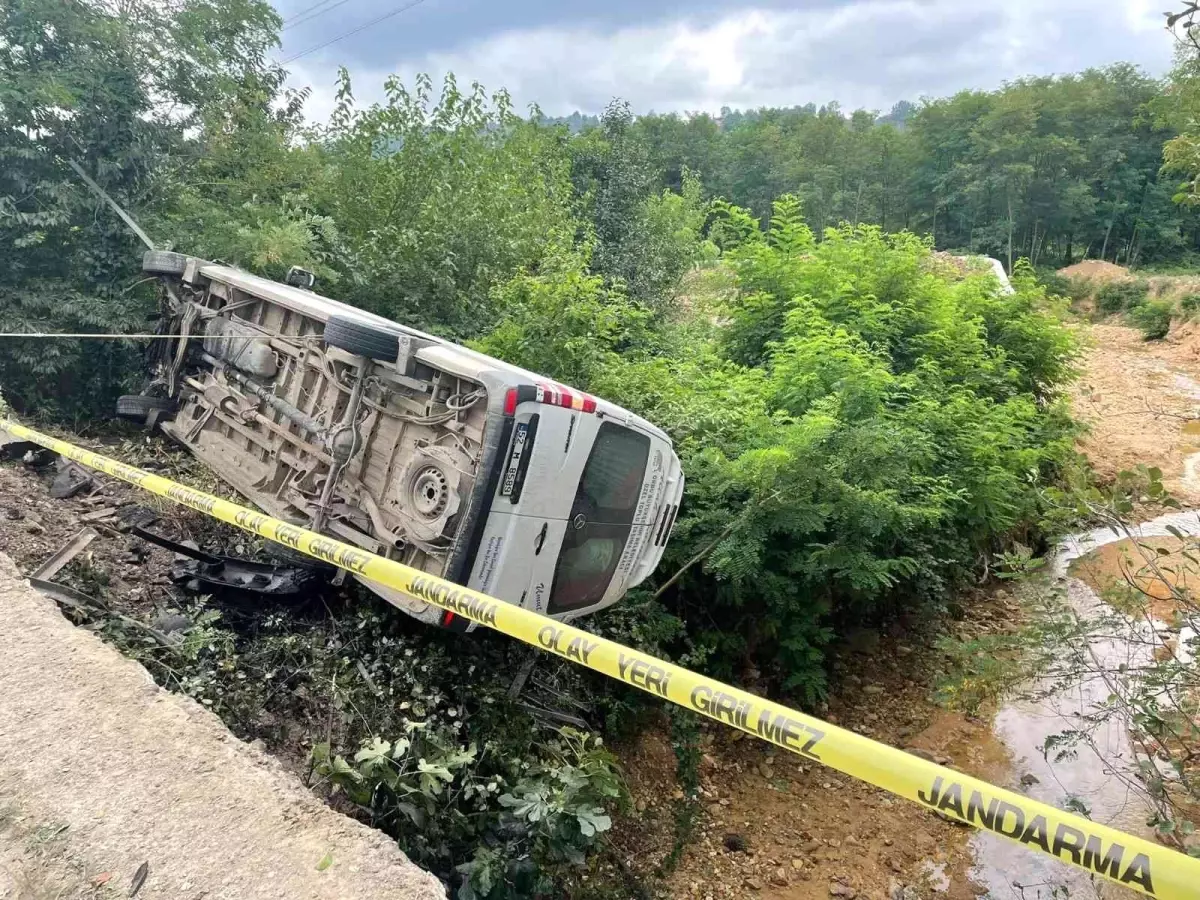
{"type": "Point", "coordinates": [341, 37]}
{"type": "Point", "coordinates": [297, 20]}
{"type": "Point", "coordinates": [294, 16]}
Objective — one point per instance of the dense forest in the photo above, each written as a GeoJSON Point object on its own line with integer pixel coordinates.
{"type": "Point", "coordinates": [865, 426]}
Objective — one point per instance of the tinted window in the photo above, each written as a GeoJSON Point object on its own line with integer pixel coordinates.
{"type": "Point", "coordinates": [605, 504]}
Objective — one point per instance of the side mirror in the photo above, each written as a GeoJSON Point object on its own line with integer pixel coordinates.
{"type": "Point", "coordinates": [301, 278]}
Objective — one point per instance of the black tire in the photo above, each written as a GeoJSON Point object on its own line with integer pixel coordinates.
{"type": "Point", "coordinates": [362, 340]}
{"type": "Point", "coordinates": [297, 560]}
{"type": "Point", "coordinates": [137, 407]}
{"type": "Point", "coordinates": [163, 262]}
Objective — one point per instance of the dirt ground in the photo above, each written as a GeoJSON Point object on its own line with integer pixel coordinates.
{"type": "Point", "coordinates": [1122, 564]}
{"type": "Point", "coordinates": [775, 826]}
{"type": "Point", "coordinates": [1140, 400]}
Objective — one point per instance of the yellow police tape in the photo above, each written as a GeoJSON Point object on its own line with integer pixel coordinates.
{"type": "Point", "coordinates": [1135, 862]}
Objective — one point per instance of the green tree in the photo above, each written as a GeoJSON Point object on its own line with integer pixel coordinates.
{"type": "Point", "coordinates": [120, 91]}
{"type": "Point", "coordinates": [438, 196]}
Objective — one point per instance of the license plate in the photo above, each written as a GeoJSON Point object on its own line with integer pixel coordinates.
{"type": "Point", "coordinates": [514, 459]}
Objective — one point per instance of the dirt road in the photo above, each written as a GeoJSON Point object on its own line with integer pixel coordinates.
{"type": "Point", "coordinates": [101, 772]}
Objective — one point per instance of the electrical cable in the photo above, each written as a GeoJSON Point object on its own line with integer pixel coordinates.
{"type": "Point", "coordinates": [315, 15]}
{"type": "Point", "coordinates": [353, 31]}
{"type": "Point", "coordinates": [294, 16]}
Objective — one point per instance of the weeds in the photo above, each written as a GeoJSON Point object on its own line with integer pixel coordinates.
{"type": "Point", "coordinates": [404, 729]}
{"type": "Point", "coordinates": [1125, 294]}
{"type": "Point", "coordinates": [1153, 318]}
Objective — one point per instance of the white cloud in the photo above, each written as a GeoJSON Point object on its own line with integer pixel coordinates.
{"type": "Point", "coordinates": [866, 53]}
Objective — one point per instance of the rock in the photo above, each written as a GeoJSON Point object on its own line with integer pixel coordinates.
{"type": "Point", "coordinates": [873, 689]}
{"type": "Point", "coordinates": [754, 884]}
{"type": "Point", "coordinates": [734, 842]}
{"type": "Point", "coordinates": [798, 864]}
{"type": "Point", "coordinates": [903, 649]}
{"type": "Point", "coordinates": [169, 622]}
{"type": "Point", "coordinates": [640, 806]}
{"type": "Point", "coordinates": [13, 513]}
{"type": "Point", "coordinates": [837, 889]}
{"type": "Point", "coordinates": [34, 527]}
{"type": "Point", "coordinates": [1029, 779]}
{"type": "Point", "coordinates": [923, 754]}
{"type": "Point", "coordinates": [942, 760]}
{"type": "Point", "coordinates": [779, 878]}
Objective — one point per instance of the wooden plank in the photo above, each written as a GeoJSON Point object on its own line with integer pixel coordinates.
{"type": "Point", "coordinates": [65, 554]}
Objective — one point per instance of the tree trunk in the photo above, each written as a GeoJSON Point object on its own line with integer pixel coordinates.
{"type": "Point", "coordinates": [1010, 231]}
{"type": "Point", "coordinates": [1068, 259]}
{"type": "Point", "coordinates": [1108, 231]}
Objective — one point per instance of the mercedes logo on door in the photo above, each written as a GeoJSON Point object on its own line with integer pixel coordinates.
{"type": "Point", "coordinates": [579, 521]}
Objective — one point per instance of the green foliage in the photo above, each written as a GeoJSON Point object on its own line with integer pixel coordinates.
{"type": "Point", "coordinates": [1190, 304]}
{"type": "Point", "coordinates": [564, 320]}
{"type": "Point", "coordinates": [415, 731]}
{"type": "Point", "coordinates": [1050, 168]}
{"type": "Point", "coordinates": [1153, 318]}
{"type": "Point", "coordinates": [524, 820]}
{"type": "Point", "coordinates": [859, 434]}
{"type": "Point", "coordinates": [644, 240]}
{"type": "Point", "coordinates": [1054, 283]}
{"type": "Point", "coordinates": [1121, 294]}
{"type": "Point", "coordinates": [123, 90]}
{"type": "Point", "coordinates": [438, 197]}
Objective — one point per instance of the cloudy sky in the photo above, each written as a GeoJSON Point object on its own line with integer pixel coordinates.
{"type": "Point", "coordinates": [704, 54]}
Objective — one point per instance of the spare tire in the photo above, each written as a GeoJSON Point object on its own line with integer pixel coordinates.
{"type": "Point", "coordinates": [163, 262]}
{"type": "Point", "coordinates": [361, 339]}
{"type": "Point", "coordinates": [138, 406]}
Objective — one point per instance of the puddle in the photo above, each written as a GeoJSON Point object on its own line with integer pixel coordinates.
{"type": "Point", "coordinates": [1104, 781]}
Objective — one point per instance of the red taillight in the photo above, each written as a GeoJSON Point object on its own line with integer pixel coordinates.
{"type": "Point", "coordinates": [551, 394]}
{"type": "Point", "coordinates": [447, 618]}
{"type": "Point", "coordinates": [510, 402]}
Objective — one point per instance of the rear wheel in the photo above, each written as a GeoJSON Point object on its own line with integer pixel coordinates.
{"type": "Point", "coordinates": [361, 339]}
{"type": "Point", "coordinates": [138, 407]}
{"type": "Point", "coordinates": [163, 262]}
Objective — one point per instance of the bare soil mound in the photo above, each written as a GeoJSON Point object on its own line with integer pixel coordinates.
{"type": "Point", "coordinates": [1095, 270]}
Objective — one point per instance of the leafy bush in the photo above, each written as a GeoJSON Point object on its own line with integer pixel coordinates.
{"type": "Point", "coordinates": [1054, 283]}
{"type": "Point", "coordinates": [404, 726]}
{"type": "Point", "coordinates": [1121, 294]}
{"type": "Point", "coordinates": [859, 434]}
{"type": "Point", "coordinates": [1190, 304]}
{"type": "Point", "coordinates": [1153, 318]}
{"type": "Point", "coordinates": [523, 819]}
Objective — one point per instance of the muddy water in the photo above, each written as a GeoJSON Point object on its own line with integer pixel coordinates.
{"type": "Point", "coordinates": [1103, 780]}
